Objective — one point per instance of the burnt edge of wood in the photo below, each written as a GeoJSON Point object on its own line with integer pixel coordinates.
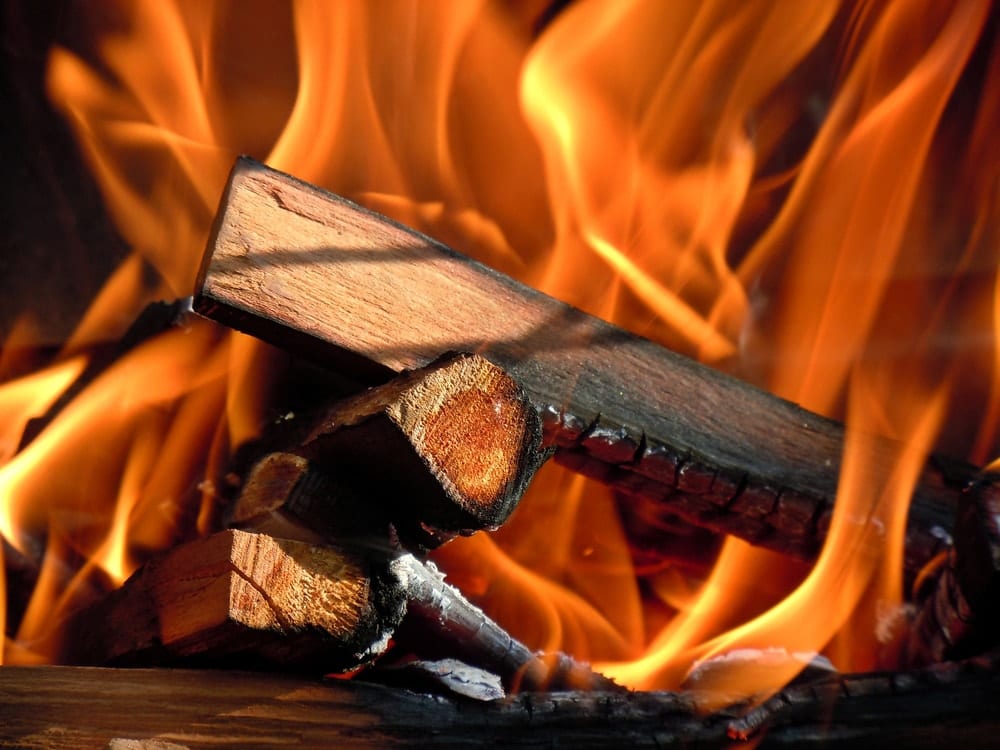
{"type": "Point", "coordinates": [721, 453]}
{"type": "Point", "coordinates": [958, 596]}
{"type": "Point", "coordinates": [737, 503]}
{"type": "Point", "coordinates": [89, 707]}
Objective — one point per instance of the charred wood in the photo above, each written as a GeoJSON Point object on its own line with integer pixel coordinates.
{"type": "Point", "coordinates": [958, 600]}
{"type": "Point", "coordinates": [325, 278]}
{"type": "Point", "coordinates": [443, 612]}
{"type": "Point", "coordinates": [72, 707]}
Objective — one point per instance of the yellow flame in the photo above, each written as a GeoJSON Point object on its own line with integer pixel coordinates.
{"type": "Point", "coordinates": [31, 396]}
{"type": "Point", "coordinates": [863, 550]}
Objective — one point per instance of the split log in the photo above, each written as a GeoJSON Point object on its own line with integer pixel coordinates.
{"type": "Point", "coordinates": [250, 599]}
{"type": "Point", "coordinates": [316, 274]}
{"type": "Point", "coordinates": [237, 597]}
{"type": "Point", "coordinates": [79, 708]}
{"type": "Point", "coordinates": [446, 449]}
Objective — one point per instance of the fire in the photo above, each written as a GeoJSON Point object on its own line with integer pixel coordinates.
{"type": "Point", "coordinates": [804, 194]}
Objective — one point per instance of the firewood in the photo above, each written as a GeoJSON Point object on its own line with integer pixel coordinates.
{"type": "Point", "coordinates": [444, 613]}
{"type": "Point", "coordinates": [446, 449]}
{"type": "Point", "coordinates": [245, 598]}
{"type": "Point", "coordinates": [958, 603]}
{"type": "Point", "coordinates": [316, 274]}
{"type": "Point", "coordinates": [237, 597]}
{"type": "Point", "coordinates": [74, 707]}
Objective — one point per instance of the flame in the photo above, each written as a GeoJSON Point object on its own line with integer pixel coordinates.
{"type": "Point", "coordinates": [804, 194]}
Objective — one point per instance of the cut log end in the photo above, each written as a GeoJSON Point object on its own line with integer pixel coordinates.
{"type": "Point", "coordinates": [443, 450]}
{"type": "Point", "coordinates": [473, 426]}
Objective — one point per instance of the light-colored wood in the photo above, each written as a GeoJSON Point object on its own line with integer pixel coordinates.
{"type": "Point", "coordinates": [318, 275]}
{"type": "Point", "coordinates": [246, 596]}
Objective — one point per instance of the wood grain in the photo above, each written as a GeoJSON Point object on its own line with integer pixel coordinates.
{"type": "Point", "coordinates": [318, 275]}
{"type": "Point", "coordinates": [76, 708]}
{"type": "Point", "coordinates": [238, 597]}
{"type": "Point", "coordinates": [443, 450]}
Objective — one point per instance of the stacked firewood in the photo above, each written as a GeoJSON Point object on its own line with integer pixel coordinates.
{"type": "Point", "coordinates": [324, 558]}
{"type": "Point", "coordinates": [677, 440]}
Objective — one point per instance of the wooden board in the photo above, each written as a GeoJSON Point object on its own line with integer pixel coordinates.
{"type": "Point", "coordinates": [75, 708]}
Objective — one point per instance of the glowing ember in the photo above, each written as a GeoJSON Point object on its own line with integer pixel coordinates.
{"type": "Point", "coordinates": [801, 193]}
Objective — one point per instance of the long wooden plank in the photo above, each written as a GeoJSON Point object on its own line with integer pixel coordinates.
{"type": "Point", "coordinates": [319, 275]}
{"type": "Point", "coordinates": [75, 708]}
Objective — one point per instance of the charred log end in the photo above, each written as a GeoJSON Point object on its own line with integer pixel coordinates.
{"type": "Point", "coordinates": [958, 593]}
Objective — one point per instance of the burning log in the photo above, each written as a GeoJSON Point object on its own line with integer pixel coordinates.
{"type": "Point", "coordinates": [959, 602]}
{"type": "Point", "coordinates": [446, 449]}
{"type": "Point", "coordinates": [246, 598]}
{"type": "Point", "coordinates": [252, 599]}
{"type": "Point", "coordinates": [327, 279]}
{"type": "Point", "coordinates": [940, 707]}
{"type": "Point", "coordinates": [441, 450]}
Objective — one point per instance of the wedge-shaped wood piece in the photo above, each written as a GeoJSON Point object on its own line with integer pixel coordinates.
{"type": "Point", "coordinates": [318, 275]}
{"type": "Point", "coordinates": [238, 597]}
{"type": "Point", "coordinates": [442, 450]}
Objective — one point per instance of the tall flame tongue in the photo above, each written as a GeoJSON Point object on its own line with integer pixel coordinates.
{"type": "Point", "coordinates": [791, 191]}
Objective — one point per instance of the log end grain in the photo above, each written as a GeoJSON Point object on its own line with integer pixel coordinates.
{"type": "Point", "coordinates": [449, 448]}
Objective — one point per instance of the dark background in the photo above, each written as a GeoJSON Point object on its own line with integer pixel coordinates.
{"type": "Point", "coordinates": [57, 244]}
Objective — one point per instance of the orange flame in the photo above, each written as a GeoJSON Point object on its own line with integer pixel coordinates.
{"type": "Point", "coordinates": [766, 187]}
